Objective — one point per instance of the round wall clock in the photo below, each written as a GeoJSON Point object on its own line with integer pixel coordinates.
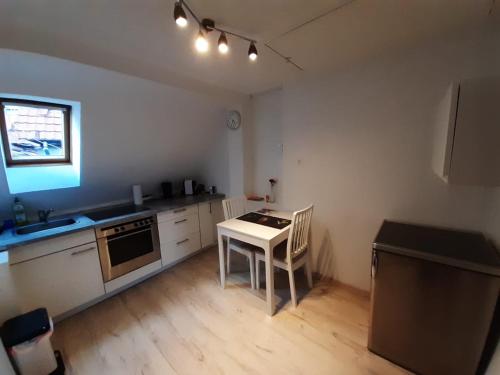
{"type": "Point", "coordinates": [233, 120]}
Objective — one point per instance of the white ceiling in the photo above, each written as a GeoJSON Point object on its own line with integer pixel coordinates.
{"type": "Point", "coordinates": [141, 38]}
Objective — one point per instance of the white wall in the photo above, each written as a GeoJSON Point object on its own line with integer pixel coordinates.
{"type": "Point", "coordinates": [357, 144]}
{"type": "Point", "coordinates": [133, 131]}
{"type": "Point", "coordinates": [267, 155]}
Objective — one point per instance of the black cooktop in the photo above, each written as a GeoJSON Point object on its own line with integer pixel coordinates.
{"type": "Point", "coordinates": [268, 221]}
{"type": "Point", "coordinates": [111, 212]}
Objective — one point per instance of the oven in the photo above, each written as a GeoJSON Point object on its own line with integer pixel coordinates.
{"type": "Point", "coordinates": [127, 246]}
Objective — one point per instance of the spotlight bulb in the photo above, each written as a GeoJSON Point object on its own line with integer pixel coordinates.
{"type": "Point", "coordinates": [201, 43]}
{"type": "Point", "coordinates": [222, 43]}
{"type": "Point", "coordinates": [252, 52]}
{"type": "Point", "coordinates": [180, 15]}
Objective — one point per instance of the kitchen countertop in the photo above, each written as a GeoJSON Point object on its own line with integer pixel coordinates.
{"type": "Point", "coordinates": [9, 239]}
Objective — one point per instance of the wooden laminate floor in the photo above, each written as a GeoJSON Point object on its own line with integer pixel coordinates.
{"type": "Point", "coordinates": [182, 322]}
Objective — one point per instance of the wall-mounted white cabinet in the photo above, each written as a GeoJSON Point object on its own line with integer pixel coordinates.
{"type": "Point", "coordinates": [467, 133]}
{"type": "Point", "coordinates": [61, 280]}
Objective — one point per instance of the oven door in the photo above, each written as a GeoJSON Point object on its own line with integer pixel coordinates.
{"type": "Point", "coordinates": [124, 252]}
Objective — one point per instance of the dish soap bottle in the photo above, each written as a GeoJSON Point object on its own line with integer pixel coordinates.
{"type": "Point", "coordinates": [19, 213]}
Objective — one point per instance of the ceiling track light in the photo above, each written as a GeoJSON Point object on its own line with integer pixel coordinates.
{"type": "Point", "coordinates": [207, 25]}
{"type": "Point", "coordinates": [252, 52]}
{"type": "Point", "coordinates": [201, 42]}
{"type": "Point", "coordinates": [179, 14]}
{"type": "Point", "coordinates": [222, 43]}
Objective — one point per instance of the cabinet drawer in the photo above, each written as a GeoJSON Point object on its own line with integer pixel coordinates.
{"type": "Point", "coordinates": [174, 250]}
{"type": "Point", "coordinates": [177, 213]}
{"type": "Point", "coordinates": [53, 245]}
{"type": "Point", "coordinates": [178, 229]}
{"type": "Point", "coordinates": [60, 281]}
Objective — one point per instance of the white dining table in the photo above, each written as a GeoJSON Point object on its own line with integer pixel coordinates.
{"type": "Point", "coordinates": [258, 235]}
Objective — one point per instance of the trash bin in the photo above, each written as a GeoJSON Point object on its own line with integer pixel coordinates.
{"type": "Point", "coordinates": [27, 340]}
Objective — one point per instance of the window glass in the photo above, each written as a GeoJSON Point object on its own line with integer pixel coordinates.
{"type": "Point", "coordinates": [35, 133]}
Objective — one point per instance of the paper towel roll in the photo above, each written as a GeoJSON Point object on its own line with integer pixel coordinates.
{"type": "Point", "coordinates": [137, 192]}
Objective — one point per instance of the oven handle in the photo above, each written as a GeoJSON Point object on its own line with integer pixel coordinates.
{"type": "Point", "coordinates": [181, 242]}
{"type": "Point", "coordinates": [148, 229]}
{"type": "Point", "coordinates": [180, 221]}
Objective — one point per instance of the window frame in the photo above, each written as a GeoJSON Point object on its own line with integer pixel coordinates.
{"type": "Point", "coordinates": [9, 162]}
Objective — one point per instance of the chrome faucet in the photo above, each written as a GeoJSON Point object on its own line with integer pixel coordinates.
{"type": "Point", "coordinates": [43, 215]}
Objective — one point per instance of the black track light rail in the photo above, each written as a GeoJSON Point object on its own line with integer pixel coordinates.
{"type": "Point", "coordinates": [286, 58]}
{"type": "Point", "coordinates": [183, 3]}
{"type": "Point", "coordinates": [208, 28]}
{"type": "Point", "coordinates": [209, 25]}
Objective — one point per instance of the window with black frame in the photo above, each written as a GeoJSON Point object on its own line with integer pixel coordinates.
{"type": "Point", "coordinates": [35, 132]}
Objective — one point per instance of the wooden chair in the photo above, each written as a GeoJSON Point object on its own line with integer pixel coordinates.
{"type": "Point", "coordinates": [234, 207]}
{"type": "Point", "coordinates": [292, 253]}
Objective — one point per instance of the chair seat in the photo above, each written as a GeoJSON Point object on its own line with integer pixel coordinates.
{"type": "Point", "coordinates": [279, 253]}
{"type": "Point", "coordinates": [242, 247]}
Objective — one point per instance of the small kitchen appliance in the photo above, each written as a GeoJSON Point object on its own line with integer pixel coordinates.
{"type": "Point", "coordinates": [189, 186]}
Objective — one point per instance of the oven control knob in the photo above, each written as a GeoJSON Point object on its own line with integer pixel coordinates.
{"type": "Point", "coordinates": [122, 228]}
{"type": "Point", "coordinates": [142, 222]}
{"type": "Point", "coordinates": [136, 224]}
{"type": "Point", "coordinates": [117, 230]}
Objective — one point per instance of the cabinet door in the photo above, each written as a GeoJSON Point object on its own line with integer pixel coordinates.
{"type": "Point", "coordinates": [217, 215]}
{"type": "Point", "coordinates": [475, 158]}
{"type": "Point", "coordinates": [174, 251]}
{"type": "Point", "coordinates": [206, 224]}
{"type": "Point", "coordinates": [60, 281]}
{"type": "Point", "coordinates": [176, 229]}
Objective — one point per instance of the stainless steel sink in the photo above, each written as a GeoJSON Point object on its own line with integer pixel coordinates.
{"type": "Point", "coordinates": [44, 226]}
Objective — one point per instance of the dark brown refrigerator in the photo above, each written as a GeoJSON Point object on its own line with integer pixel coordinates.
{"type": "Point", "coordinates": [433, 298]}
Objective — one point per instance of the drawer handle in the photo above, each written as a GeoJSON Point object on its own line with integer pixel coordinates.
{"type": "Point", "coordinates": [78, 252]}
{"type": "Point", "coordinates": [181, 242]}
{"type": "Point", "coordinates": [180, 221]}
{"type": "Point", "coordinates": [179, 210]}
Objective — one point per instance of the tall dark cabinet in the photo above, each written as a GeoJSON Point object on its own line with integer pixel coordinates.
{"type": "Point", "coordinates": [434, 293]}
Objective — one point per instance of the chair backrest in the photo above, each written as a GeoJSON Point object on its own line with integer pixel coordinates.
{"type": "Point", "coordinates": [298, 238]}
{"type": "Point", "coordinates": [234, 207]}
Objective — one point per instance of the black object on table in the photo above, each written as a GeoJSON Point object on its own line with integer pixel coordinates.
{"type": "Point", "coordinates": [266, 220]}
{"type": "Point", "coordinates": [434, 298]}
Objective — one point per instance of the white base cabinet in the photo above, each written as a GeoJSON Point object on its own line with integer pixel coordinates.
{"type": "Point", "coordinates": [178, 249]}
{"type": "Point", "coordinates": [179, 231]}
{"type": "Point", "coordinates": [59, 281]}
{"type": "Point", "coordinates": [210, 213]}
{"type": "Point", "coordinates": [64, 273]}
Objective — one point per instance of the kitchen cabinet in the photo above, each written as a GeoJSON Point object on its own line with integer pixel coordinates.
{"type": "Point", "coordinates": [210, 213]}
{"type": "Point", "coordinates": [466, 135]}
{"type": "Point", "coordinates": [178, 227]}
{"type": "Point", "coordinates": [179, 231]}
{"type": "Point", "coordinates": [59, 281]}
{"type": "Point", "coordinates": [175, 250]}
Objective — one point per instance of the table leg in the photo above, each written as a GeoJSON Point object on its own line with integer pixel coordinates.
{"type": "Point", "coordinates": [222, 269]}
{"type": "Point", "coordinates": [269, 280]}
